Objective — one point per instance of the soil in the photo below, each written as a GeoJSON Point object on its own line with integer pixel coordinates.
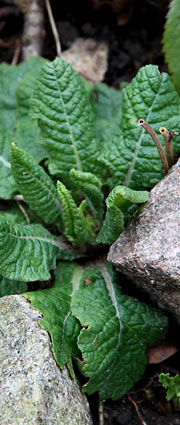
{"type": "Point", "coordinates": [130, 46]}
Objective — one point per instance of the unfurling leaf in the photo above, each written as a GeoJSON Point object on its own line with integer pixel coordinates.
{"type": "Point", "coordinates": [116, 332]}
{"type": "Point", "coordinates": [118, 202]}
{"type": "Point", "coordinates": [76, 230]}
{"type": "Point", "coordinates": [91, 187]}
{"type": "Point", "coordinates": [36, 186]}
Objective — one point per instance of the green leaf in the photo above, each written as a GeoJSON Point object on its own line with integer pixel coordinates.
{"type": "Point", "coordinates": [54, 304]}
{"type": "Point", "coordinates": [7, 183]}
{"type": "Point", "coordinates": [171, 42]}
{"type": "Point", "coordinates": [27, 130]}
{"type": "Point", "coordinates": [172, 384]}
{"type": "Point", "coordinates": [132, 159]}
{"type": "Point", "coordinates": [10, 78]}
{"type": "Point", "coordinates": [36, 186]}
{"type": "Point", "coordinates": [91, 187]}
{"type": "Point", "coordinates": [108, 110]}
{"type": "Point", "coordinates": [65, 117]}
{"type": "Point", "coordinates": [116, 332]}
{"type": "Point", "coordinates": [107, 101]}
{"type": "Point", "coordinates": [10, 287]}
{"type": "Point", "coordinates": [27, 253]}
{"type": "Point", "coordinates": [117, 203]}
{"type": "Point", "coordinates": [76, 230]}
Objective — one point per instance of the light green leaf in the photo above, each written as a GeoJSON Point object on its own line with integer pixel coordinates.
{"type": "Point", "coordinates": [108, 110]}
{"type": "Point", "coordinates": [172, 384]}
{"type": "Point", "coordinates": [117, 203]}
{"type": "Point", "coordinates": [91, 187]}
{"type": "Point", "coordinates": [65, 117]}
{"type": "Point", "coordinates": [54, 304]}
{"type": "Point", "coordinates": [27, 130]}
{"type": "Point", "coordinates": [28, 253]}
{"type": "Point", "coordinates": [10, 287]}
{"type": "Point", "coordinates": [10, 78]}
{"type": "Point", "coordinates": [36, 186]}
{"type": "Point", "coordinates": [132, 159]}
{"type": "Point", "coordinates": [116, 332]}
{"type": "Point", "coordinates": [7, 183]}
{"type": "Point", "coordinates": [171, 42]}
{"type": "Point", "coordinates": [76, 230]}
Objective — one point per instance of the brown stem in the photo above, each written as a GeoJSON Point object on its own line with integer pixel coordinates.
{"type": "Point", "coordinates": [137, 410]}
{"type": "Point", "coordinates": [23, 211]}
{"type": "Point", "coordinates": [168, 136]}
{"type": "Point", "coordinates": [53, 27]}
{"type": "Point", "coordinates": [157, 142]}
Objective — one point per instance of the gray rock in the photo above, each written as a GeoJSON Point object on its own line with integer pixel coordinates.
{"type": "Point", "coordinates": [33, 390]}
{"type": "Point", "coordinates": [148, 252]}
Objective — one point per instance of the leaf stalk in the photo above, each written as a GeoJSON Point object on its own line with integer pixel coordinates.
{"type": "Point", "coordinates": [157, 142]}
{"type": "Point", "coordinates": [168, 137]}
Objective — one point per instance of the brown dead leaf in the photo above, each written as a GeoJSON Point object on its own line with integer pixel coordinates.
{"type": "Point", "coordinates": [161, 352]}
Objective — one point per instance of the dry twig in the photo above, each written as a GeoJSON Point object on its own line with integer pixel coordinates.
{"type": "Point", "coordinates": [137, 410]}
{"type": "Point", "coordinates": [53, 27]}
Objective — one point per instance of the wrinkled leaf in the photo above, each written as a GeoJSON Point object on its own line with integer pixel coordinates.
{"type": "Point", "coordinates": [91, 187]}
{"type": "Point", "coordinates": [65, 117]}
{"type": "Point", "coordinates": [28, 253]}
{"type": "Point", "coordinates": [36, 186]}
{"type": "Point", "coordinates": [54, 304]}
{"type": "Point", "coordinates": [76, 227]}
{"type": "Point", "coordinates": [10, 287]}
{"type": "Point", "coordinates": [116, 332]}
{"type": "Point", "coordinates": [132, 159]}
{"type": "Point", "coordinates": [117, 203]}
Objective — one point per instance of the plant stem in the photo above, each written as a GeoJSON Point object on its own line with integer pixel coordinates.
{"type": "Point", "coordinates": [168, 136]}
{"type": "Point", "coordinates": [100, 411]}
{"type": "Point", "coordinates": [157, 142]}
{"type": "Point", "coordinates": [53, 27]}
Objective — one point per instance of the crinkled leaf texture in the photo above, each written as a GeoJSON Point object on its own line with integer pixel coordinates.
{"type": "Point", "coordinates": [76, 226]}
{"type": "Point", "coordinates": [117, 203]}
{"type": "Point", "coordinates": [28, 253]}
{"type": "Point", "coordinates": [171, 42]}
{"type": "Point", "coordinates": [54, 304]}
{"type": "Point", "coordinates": [10, 287]}
{"type": "Point", "coordinates": [91, 187]}
{"type": "Point", "coordinates": [116, 332]}
{"type": "Point", "coordinates": [132, 159]}
{"type": "Point", "coordinates": [36, 186]}
{"type": "Point", "coordinates": [172, 384]}
{"type": "Point", "coordinates": [66, 120]}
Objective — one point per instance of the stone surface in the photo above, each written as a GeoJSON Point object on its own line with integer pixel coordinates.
{"type": "Point", "coordinates": [88, 57]}
{"type": "Point", "coordinates": [33, 390]}
{"type": "Point", "coordinates": [148, 252]}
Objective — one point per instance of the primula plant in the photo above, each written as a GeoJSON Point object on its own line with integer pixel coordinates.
{"type": "Point", "coordinates": [75, 166]}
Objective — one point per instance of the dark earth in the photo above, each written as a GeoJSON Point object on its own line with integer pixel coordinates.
{"type": "Point", "coordinates": [132, 45]}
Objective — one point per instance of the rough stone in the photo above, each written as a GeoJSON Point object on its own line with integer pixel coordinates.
{"type": "Point", "coordinates": [33, 390]}
{"type": "Point", "coordinates": [148, 252]}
